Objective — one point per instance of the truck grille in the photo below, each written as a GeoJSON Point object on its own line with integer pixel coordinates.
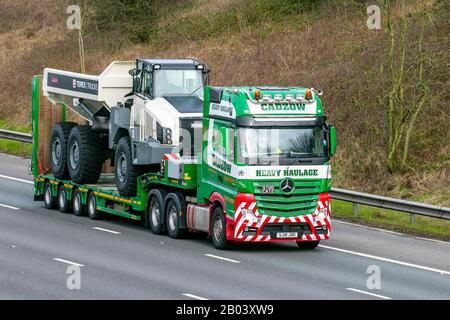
{"type": "Point", "coordinates": [302, 200]}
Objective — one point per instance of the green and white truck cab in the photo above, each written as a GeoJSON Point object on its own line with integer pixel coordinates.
{"type": "Point", "coordinates": [265, 164]}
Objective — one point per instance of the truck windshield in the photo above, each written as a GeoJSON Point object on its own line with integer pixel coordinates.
{"type": "Point", "coordinates": [178, 83]}
{"type": "Point", "coordinates": [264, 146]}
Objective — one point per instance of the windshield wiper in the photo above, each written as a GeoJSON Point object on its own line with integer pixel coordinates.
{"type": "Point", "coordinates": [195, 91]}
{"type": "Point", "coordinates": [298, 156]}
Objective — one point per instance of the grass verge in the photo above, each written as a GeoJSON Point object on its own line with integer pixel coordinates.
{"type": "Point", "coordinates": [393, 220]}
{"type": "Point", "coordinates": [15, 147]}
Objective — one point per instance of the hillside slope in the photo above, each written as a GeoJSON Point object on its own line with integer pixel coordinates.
{"type": "Point", "coordinates": [321, 44]}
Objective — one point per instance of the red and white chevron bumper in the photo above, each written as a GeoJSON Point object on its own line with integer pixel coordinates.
{"type": "Point", "coordinates": [249, 223]}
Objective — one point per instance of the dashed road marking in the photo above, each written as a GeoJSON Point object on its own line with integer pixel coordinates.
{"type": "Point", "coordinates": [369, 293]}
{"type": "Point", "coordinates": [221, 258]}
{"type": "Point", "coordinates": [9, 207]}
{"type": "Point", "coordinates": [106, 230]}
{"type": "Point", "coordinates": [193, 296]}
{"type": "Point", "coordinates": [69, 262]}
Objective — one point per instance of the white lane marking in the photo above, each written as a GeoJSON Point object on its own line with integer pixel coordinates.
{"type": "Point", "coordinates": [390, 231]}
{"type": "Point", "coordinates": [434, 240]}
{"type": "Point", "coordinates": [9, 207]}
{"type": "Point", "coordinates": [106, 230]}
{"type": "Point", "coordinates": [406, 264]}
{"type": "Point", "coordinates": [16, 179]}
{"type": "Point", "coordinates": [68, 262]}
{"type": "Point", "coordinates": [221, 258]}
{"type": "Point", "coordinates": [367, 227]}
{"type": "Point", "coordinates": [10, 155]}
{"type": "Point", "coordinates": [369, 293]}
{"type": "Point", "coordinates": [193, 296]}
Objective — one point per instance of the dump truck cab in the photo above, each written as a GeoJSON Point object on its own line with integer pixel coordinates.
{"type": "Point", "coordinates": [167, 102]}
{"type": "Point", "coordinates": [266, 162]}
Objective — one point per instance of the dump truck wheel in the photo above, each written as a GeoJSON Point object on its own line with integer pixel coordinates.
{"type": "Point", "coordinates": [84, 155]}
{"type": "Point", "coordinates": [125, 172]}
{"type": "Point", "coordinates": [307, 244]}
{"type": "Point", "coordinates": [58, 149]}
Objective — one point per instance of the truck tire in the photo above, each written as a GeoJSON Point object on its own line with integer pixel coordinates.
{"type": "Point", "coordinates": [307, 245]}
{"type": "Point", "coordinates": [91, 204]}
{"type": "Point", "coordinates": [218, 230]}
{"type": "Point", "coordinates": [155, 213]}
{"type": "Point", "coordinates": [173, 209]}
{"type": "Point", "coordinates": [63, 203]}
{"type": "Point", "coordinates": [58, 149]}
{"type": "Point", "coordinates": [125, 172]}
{"type": "Point", "coordinates": [85, 155]}
{"type": "Point", "coordinates": [49, 200]}
{"type": "Point", "coordinates": [77, 203]}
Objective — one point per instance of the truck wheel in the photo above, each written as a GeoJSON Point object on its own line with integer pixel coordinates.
{"type": "Point", "coordinates": [49, 200]}
{"type": "Point", "coordinates": [156, 212]}
{"type": "Point", "coordinates": [77, 203]}
{"type": "Point", "coordinates": [58, 149]}
{"type": "Point", "coordinates": [307, 244]}
{"type": "Point", "coordinates": [92, 207]}
{"type": "Point", "coordinates": [218, 228]}
{"type": "Point", "coordinates": [173, 210]}
{"type": "Point", "coordinates": [84, 155]}
{"type": "Point", "coordinates": [125, 172]}
{"type": "Point", "coordinates": [63, 203]}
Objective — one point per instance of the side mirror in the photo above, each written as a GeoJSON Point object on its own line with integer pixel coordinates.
{"type": "Point", "coordinates": [134, 72]}
{"type": "Point", "coordinates": [226, 143]}
{"type": "Point", "coordinates": [332, 140]}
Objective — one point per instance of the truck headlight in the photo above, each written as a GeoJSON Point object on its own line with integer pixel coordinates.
{"type": "Point", "coordinates": [322, 214]}
{"type": "Point", "coordinates": [247, 214]}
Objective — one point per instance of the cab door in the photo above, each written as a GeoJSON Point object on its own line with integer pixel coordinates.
{"type": "Point", "coordinates": [141, 124]}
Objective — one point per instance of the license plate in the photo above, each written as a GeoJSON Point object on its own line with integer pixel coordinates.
{"type": "Point", "coordinates": [287, 234]}
{"type": "Point", "coordinates": [268, 188]}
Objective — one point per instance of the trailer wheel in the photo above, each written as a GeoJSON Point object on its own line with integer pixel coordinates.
{"type": "Point", "coordinates": [92, 207]}
{"type": "Point", "coordinates": [155, 212]}
{"type": "Point", "coordinates": [173, 210]}
{"type": "Point", "coordinates": [218, 228]}
{"type": "Point", "coordinates": [63, 203]}
{"type": "Point", "coordinates": [307, 244]}
{"type": "Point", "coordinates": [125, 172]}
{"type": "Point", "coordinates": [58, 149]}
{"type": "Point", "coordinates": [49, 200]}
{"type": "Point", "coordinates": [85, 155]}
{"type": "Point", "coordinates": [77, 203]}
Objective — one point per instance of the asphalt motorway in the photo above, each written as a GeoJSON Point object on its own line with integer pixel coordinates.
{"type": "Point", "coordinates": [120, 259]}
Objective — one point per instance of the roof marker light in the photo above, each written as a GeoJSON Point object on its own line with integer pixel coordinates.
{"type": "Point", "coordinates": [257, 94]}
{"type": "Point", "coordinates": [308, 94]}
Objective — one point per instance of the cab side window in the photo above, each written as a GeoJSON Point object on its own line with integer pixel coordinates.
{"type": "Point", "coordinates": [223, 141]}
{"type": "Point", "coordinates": [147, 81]}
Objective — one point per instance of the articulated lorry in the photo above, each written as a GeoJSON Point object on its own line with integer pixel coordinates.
{"type": "Point", "coordinates": [249, 163]}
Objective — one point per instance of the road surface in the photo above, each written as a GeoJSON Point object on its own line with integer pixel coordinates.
{"type": "Point", "coordinates": [120, 259]}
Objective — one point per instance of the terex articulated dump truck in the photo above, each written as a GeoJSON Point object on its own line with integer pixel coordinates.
{"type": "Point", "coordinates": [237, 163]}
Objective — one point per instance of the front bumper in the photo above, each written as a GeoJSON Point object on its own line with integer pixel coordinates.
{"type": "Point", "coordinates": [262, 228]}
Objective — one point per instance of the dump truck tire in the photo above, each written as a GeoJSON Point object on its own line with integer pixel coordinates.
{"type": "Point", "coordinates": [85, 155]}
{"type": "Point", "coordinates": [125, 172]}
{"type": "Point", "coordinates": [58, 149]}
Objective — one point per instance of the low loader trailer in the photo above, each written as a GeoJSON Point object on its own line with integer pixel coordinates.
{"type": "Point", "coordinates": [258, 170]}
